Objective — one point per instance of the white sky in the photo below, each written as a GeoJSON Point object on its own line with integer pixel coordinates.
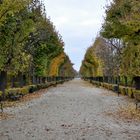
{"type": "Point", "coordinates": [78, 21]}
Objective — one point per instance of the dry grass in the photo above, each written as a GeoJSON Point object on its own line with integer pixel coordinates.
{"type": "Point", "coordinates": [25, 98]}
{"type": "Point", "coordinates": [34, 95]}
{"type": "Point", "coordinates": [4, 116]}
{"type": "Point", "coordinates": [108, 93]}
{"type": "Point", "coordinates": [127, 113]}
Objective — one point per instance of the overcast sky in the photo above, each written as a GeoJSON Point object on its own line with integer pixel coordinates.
{"type": "Point", "coordinates": [78, 21]}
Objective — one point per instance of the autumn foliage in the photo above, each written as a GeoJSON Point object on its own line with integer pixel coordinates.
{"type": "Point", "coordinates": [31, 48]}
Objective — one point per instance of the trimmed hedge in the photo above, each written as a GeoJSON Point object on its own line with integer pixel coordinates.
{"type": "Point", "coordinates": [96, 83]}
{"type": "Point", "coordinates": [0, 94]}
{"type": "Point", "coordinates": [60, 82]}
{"type": "Point", "coordinates": [130, 92]}
{"type": "Point", "coordinates": [16, 93]}
{"type": "Point", "coordinates": [105, 85]}
{"type": "Point", "coordinates": [122, 89]}
{"type": "Point", "coordinates": [137, 94]}
{"type": "Point", "coordinates": [32, 88]}
{"type": "Point", "coordinates": [46, 85]}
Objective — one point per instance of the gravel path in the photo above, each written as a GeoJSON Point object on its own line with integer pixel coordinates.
{"type": "Point", "coordinates": [72, 111]}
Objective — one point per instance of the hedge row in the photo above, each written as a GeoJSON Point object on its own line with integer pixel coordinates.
{"type": "Point", "coordinates": [16, 93]}
{"type": "Point", "coordinates": [131, 92]}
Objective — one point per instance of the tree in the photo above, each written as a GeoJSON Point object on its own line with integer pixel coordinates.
{"type": "Point", "coordinates": [8, 7]}
{"type": "Point", "coordinates": [29, 42]}
{"type": "Point", "coordinates": [91, 65]}
{"type": "Point", "coordinates": [122, 24]}
{"type": "Point", "coordinates": [14, 29]}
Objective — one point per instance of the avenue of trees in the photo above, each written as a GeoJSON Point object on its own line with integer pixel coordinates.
{"type": "Point", "coordinates": [31, 49]}
{"type": "Point", "coordinates": [115, 55]}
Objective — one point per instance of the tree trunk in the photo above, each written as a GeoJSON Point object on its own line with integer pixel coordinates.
{"type": "Point", "coordinates": [34, 79]}
{"type": "Point", "coordinates": [13, 80]}
{"type": "Point", "coordinates": [24, 80]}
{"type": "Point", "coordinates": [40, 80]}
{"type": "Point", "coordinates": [29, 79]}
{"type": "Point", "coordinates": [106, 79]}
{"type": "Point", "coordinates": [116, 80]}
{"type": "Point", "coordinates": [21, 80]}
{"type": "Point", "coordinates": [137, 82]}
{"type": "Point", "coordinates": [3, 82]}
{"type": "Point", "coordinates": [118, 84]}
{"type": "Point", "coordinates": [101, 79]}
{"type": "Point", "coordinates": [112, 79]}
{"type": "Point", "coordinates": [44, 80]}
{"type": "Point", "coordinates": [126, 81]}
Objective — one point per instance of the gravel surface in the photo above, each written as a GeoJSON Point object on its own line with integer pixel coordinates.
{"type": "Point", "coordinates": [72, 111]}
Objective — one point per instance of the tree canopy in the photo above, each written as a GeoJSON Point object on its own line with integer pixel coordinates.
{"type": "Point", "coordinates": [119, 40]}
{"type": "Point", "coordinates": [29, 42]}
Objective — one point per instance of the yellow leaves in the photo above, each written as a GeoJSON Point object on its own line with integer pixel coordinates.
{"type": "Point", "coordinates": [92, 65]}
{"type": "Point", "coordinates": [4, 116]}
{"type": "Point", "coordinates": [100, 69]}
{"type": "Point", "coordinates": [131, 67]}
{"type": "Point", "coordinates": [55, 64]}
{"type": "Point", "coordinates": [126, 113]}
{"type": "Point", "coordinates": [66, 68]}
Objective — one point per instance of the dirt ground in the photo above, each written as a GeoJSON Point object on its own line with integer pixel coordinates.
{"type": "Point", "coordinates": [75, 110]}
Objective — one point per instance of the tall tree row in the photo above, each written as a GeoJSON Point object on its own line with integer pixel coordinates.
{"type": "Point", "coordinates": [121, 35]}
{"type": "Point", "coordinates": [29, 43]}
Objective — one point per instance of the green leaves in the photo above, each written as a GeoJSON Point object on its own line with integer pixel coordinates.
{"type": "Point", "coordinates": [131, 61]}
{"type": "Point", "coordinates": [9, 7]}
{"type": "Point", "coordinates": [28, 40]}
{"type": "Point", "coordinates": [123, 22]}
{"type": "Point", "coordinates": [92, 64]}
